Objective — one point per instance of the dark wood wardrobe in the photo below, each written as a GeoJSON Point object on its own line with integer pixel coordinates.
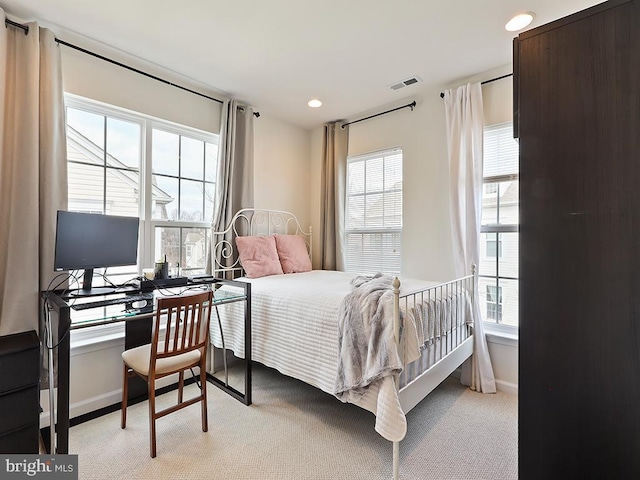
{"type": "Point", "coordinates": [577, 118]}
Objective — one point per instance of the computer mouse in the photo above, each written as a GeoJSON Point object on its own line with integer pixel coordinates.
{"type": "Point", "coordinates": [140, 304]}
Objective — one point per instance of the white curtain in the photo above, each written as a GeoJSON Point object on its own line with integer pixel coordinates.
{"type": "Point", "coordinates": [235, 172]}
{"type": "Point", "coordinates": [33, 170]}
{"type": "Point", "coordinates": [335, 147]}
{"type": "Point", "coordinates": [464, 117]}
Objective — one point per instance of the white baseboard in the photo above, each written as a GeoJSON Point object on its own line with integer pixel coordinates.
{"type": "Point", "coordinates": [97, 402]}
{"type": "Point", "coordinates": [86, 406]}
{"type": "Point", "coordinates": [507, 387]}
{"type": "Point", "coordinates": [501, 385]}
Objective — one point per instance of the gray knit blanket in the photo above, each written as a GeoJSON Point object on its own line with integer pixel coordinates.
{"type": "Point", "coordinates": [367, 349]}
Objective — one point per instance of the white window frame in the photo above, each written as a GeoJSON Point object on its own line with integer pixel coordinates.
{"type": "Point", "coordinates": [491, 325]}
{"type": "Point", "coordinates": [155, 223]}
{"type": "Point", "coordinates": [496, 295]}
{"type": "Point", "coordinates": [369, 231]}
{"type": "Point", "coordinates": [146, 245]}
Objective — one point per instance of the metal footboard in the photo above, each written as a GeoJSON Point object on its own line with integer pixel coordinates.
{"type": "Point", "coordinates": [444, 319]}
{"type": "Point", "coordinates": [443, 315]}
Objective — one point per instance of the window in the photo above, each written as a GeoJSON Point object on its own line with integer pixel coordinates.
{"type": "Point", "coordinates": [373, 224]}
{"type": "Point", "coordinates": [494, 246]}
{"type": "Point", "coordinates": [183, 171]}
{"type": "Point", "coordinates": [124, 163]}
{"type": "Point", "coordinates": [498, 270]}
{"type": "Point", "coordinates": [494, 303]}
{"type": "Point", "coordinates": [490, 188]}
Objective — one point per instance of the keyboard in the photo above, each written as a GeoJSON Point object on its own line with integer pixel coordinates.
{"type": "Point", "coordinates": [115, 301]}
{"type": "Point", "coordinates": [202, 278]}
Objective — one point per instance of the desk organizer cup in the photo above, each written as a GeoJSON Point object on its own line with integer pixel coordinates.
{"type": "Point", "coordinates": [161, 270]}
{"type": "Point", "coordinates": [149, 273]}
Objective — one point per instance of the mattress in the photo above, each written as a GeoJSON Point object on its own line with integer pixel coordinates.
{"type": "Point", "coordinates": [294, 324]}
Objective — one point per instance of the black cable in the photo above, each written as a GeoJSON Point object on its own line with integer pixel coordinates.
{"type": "Point", "coordinates": [195, 378]}
{"type": "Point", "coordinates": [46, 308]}
{"type": "Point", "coordinates": [106, 279]}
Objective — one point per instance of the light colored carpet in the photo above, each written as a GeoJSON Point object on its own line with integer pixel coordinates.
{"type": "Point", "coordinates": [294, 431]}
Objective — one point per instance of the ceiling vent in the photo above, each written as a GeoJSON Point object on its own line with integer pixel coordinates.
{"type": "Point", "coordinates": [405, 83]}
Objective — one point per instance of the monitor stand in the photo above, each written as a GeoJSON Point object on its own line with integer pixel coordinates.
{"type": "Point", "coordinates": [87, 290]}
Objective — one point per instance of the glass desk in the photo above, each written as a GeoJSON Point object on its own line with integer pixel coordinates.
{"type": "Point", "coordinates": [131, 312]}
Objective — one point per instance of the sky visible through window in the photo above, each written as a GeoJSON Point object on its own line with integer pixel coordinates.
{"type": "Point", "coordinates": [178, 161]}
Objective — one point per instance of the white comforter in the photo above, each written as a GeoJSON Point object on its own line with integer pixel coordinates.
{"type": "Point", "coordinates": [295, 330]}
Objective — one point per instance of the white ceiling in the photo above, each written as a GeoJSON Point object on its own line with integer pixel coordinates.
{"type": "Point", "coordinates": [278, 54]}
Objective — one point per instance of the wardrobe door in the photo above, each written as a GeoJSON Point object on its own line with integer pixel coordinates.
{"type": "Point", "coordinates": [578, 107]}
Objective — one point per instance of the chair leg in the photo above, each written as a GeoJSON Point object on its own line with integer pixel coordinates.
{"type": "Point", "coordinates": [203, 393]}
{"type": "Point", "coordinates": [125, 394]}
{"type": "Point", "coordinates": [180, 385]}
{"type": "Point", "coordinates": [152, 416]}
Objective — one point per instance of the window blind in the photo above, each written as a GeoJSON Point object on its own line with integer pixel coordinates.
{"type": "Point", "coordinates": [373, 225]}
{"type": "Point", "coordinates": [500, 151]}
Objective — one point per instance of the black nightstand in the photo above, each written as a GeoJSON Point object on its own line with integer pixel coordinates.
{"type": "Point", "coordinates": [19, 392]}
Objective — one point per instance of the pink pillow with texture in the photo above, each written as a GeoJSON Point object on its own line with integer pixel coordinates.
{"type": "Point", "coordinates": [293, 253]}
{"type": "Point", "coordinates": [258, 256]}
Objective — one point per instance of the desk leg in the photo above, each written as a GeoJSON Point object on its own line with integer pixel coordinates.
{"type": "Point", "coordinates": [247, 344]}
{"type": "Point", "coordinates": [224, 349]}
{"type": "Point", "coordinates": [64, 364]}
{"type": "Point", "coordinates": [224, 385]}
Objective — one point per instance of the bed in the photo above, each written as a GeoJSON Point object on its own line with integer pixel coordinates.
{"type": "Point", "coordinates": [301, 324]}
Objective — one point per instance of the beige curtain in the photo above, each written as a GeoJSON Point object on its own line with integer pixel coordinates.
{"type": "Point", "coordinates": [465, 134]}
{"type": "Point", "coordinates": [335, 148]}
{"type": "Point", "coordinates": [33, 170]}
{"type": "Point", "coordinates": [235, 173]}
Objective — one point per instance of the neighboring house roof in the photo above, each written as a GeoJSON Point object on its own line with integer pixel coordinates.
{"type": "Point", "coordinates": [511, 196]}
{"type": "Point", "coordinates": [88, 152]}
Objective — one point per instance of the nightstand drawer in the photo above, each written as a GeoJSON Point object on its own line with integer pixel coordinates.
{"type": "Point", "coordinates": [19, 408]}
{"type": "Point", "coordinates": [23, 440]}
{"type": "Point", "coordinates": [19, 361]}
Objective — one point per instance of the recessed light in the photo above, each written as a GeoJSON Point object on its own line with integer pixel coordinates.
{"type": "Point", "coordinates": [315, 103]}
{"type": "Point", "coordinates": [519, 21]}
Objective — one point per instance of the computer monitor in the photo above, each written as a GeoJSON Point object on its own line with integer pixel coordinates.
{"type": "Point", "coordinates": [88, 240]}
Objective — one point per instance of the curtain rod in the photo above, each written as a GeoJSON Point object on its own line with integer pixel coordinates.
{"type": "Point", "coordinates": [411, 105]}
{"type": "Point", "coordinates": [487, 81]}
{"type": "Point", "coordinates": [101, 57]}
{"type": "Point", "coordinates": [119, 64]}
{"type": "Point", "coordinates": [17, 25]}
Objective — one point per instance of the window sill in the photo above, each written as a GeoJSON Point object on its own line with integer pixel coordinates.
{"type": "Point", "coordinates": [501, 334]}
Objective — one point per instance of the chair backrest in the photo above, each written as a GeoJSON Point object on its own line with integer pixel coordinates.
{"type": "Point", "coordinates": [187, 325]}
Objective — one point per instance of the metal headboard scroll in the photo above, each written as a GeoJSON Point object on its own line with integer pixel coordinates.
{"type": "Point", "coordinates": [254, 222]}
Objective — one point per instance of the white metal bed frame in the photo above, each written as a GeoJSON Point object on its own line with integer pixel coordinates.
{"type": "Point", "coordinates": [454, 347]}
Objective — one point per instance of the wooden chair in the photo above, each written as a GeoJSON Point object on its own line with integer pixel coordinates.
{"type": "Point", "coordinates": [183, 345]}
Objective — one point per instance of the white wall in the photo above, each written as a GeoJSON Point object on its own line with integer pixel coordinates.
{"type": "Point", "coordinates": [97, 79]}
{"type": "Point", "coordinates": [281, 168]}
{"type": "Point", "coordinates": [426, 234]}
{"type": "Point", "coordinates": [426, 245]}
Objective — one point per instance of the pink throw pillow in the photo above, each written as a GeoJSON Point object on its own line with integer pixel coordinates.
{"type": "Point", "coordinates": [293, 253]}
{"type": "Point", "coordinates": [258, 256]}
